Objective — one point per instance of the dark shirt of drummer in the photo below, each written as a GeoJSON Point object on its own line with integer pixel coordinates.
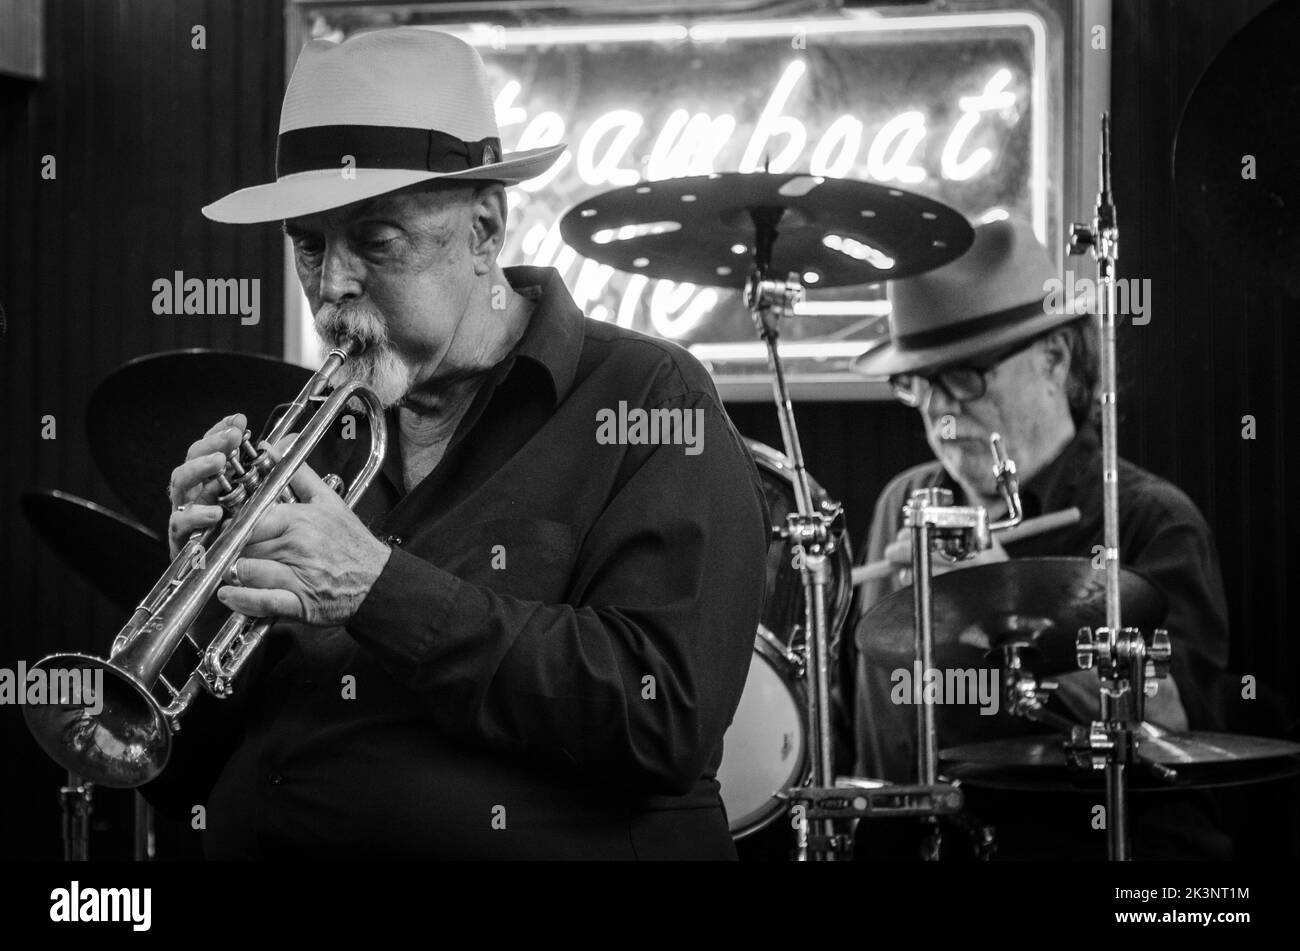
{"type": "Point", "coordinates": [1162, 535]}
{"type": "Point", "coordinates": [548, 662]}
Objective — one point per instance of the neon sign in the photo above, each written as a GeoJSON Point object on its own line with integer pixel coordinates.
{"type": "Point", "coordinates": [954, 106]}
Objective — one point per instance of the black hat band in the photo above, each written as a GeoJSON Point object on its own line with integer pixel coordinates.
{"type": "Point", "coordinates": [375, 146]}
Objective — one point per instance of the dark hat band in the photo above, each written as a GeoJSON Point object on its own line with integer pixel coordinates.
{"type": "Point", "coordinates": [954, 333]}
{"type": "Point", "coordinates": [377, 146]}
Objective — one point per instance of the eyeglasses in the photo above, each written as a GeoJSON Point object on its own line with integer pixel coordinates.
{"type": "Point", "coordinates": [962, 384]}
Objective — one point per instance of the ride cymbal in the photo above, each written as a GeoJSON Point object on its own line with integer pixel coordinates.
{"type": "Point", "coordinates": [1182, 760]}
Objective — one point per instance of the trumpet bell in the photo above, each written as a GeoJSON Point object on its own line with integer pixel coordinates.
{"type": "Point", "coordinates": [125, 744]}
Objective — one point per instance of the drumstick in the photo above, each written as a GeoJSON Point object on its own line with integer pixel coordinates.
{"type": "Point", "coordinates": [1026, 529]}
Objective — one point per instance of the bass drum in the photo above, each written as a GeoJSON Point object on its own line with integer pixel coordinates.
{"type": "Point", "coordinates": [766, 747]}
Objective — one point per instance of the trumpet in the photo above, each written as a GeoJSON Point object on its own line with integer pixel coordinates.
{"type": "Point", "coordinates": [128, 741]}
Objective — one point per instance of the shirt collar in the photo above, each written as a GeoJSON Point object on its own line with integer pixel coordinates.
{"type": "Point", "coordinates": [550, 347]}
{"type": "Point", "coordinates": [552, 341]}
{"type": "Point", "coordinates": [1055, 482]}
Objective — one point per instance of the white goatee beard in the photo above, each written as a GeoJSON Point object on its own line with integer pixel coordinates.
{"type": "Point", "coordinates": [380, 368]}
{"type": "Point", "coordinates": [382, 371]}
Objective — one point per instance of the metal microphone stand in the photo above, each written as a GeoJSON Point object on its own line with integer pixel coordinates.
{"type": "Point", "coordinates": [1123, 660]}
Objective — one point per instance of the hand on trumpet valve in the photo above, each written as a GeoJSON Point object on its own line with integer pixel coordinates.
{"type": "Point", "coordinates": [314, 561]}
{"type": "Point", "coordinates": [194, 486]}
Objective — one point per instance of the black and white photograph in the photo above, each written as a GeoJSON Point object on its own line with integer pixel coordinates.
{"type": "Point", "coordinates": [745, 431]}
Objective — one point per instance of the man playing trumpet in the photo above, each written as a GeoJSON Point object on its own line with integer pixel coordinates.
{"type": "Point", "coordinates": [525, 642]}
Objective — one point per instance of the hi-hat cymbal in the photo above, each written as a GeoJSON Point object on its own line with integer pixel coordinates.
{"type": "Point", "coordinates": [1038, 601]}
{"type": "Point", "coordinates": [118, 557]}
{"type": "Point", "coordinates": [1038, 761]}
{"type": "Point", "coordinates": [144, 416]}
{"type": "Point", "coordinates": [832, 232]}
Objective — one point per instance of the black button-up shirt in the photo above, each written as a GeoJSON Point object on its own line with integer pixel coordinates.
{"type": "Point", "coordinates": [549, 659]}
{"type": "Point", "coordinates": [1161, 534]}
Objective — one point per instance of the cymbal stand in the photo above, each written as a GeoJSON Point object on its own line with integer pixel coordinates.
{"type": "Point", "coordinates": [956, 532]}
{"type": "Point", "coordinates": [1128, 668]}
{"type": "Point", "coordinates": [1121, 656]}
{"type": "Point", "coordinates": [76, 803]}
{"type": "Point", "coordinates": [144, 844]}
{"type": "Point", "coordinates": [809, 528]}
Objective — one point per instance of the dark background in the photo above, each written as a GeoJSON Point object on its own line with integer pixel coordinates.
{"type": "Point", "coordinates": [146, 130]}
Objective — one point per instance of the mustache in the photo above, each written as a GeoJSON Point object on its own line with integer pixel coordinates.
{"type": "Point", "coordinates": [338, 323]}
{"type": "Point", "coordinates": [377, 365]}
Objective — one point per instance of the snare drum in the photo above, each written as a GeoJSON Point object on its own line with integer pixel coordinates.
{"type": "Point", "coordinates": [766, 746]}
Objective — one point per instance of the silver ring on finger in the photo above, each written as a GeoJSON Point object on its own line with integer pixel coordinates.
{"type": "Point", "coordinates": [234, 574]}
{"type": "Point", "coordinates": [182, 507]}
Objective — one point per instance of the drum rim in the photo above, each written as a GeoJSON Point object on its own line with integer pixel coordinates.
{"type": "Point", "coordinates": [778, 463]}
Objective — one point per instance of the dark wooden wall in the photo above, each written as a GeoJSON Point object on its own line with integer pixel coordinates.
{"type": "Point", "coordinates": [1219, 346]}
{"type": "Point", "coordinates": [146, 130]}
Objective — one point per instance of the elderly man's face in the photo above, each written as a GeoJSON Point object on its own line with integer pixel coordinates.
{"type": "Point", "coordinates": [1024, 402]}
{"type": "Point", "coordinates": [396, 273]}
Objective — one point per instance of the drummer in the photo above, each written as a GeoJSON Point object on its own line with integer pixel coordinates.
{"type": "Point", "coordinates": [980, 346]}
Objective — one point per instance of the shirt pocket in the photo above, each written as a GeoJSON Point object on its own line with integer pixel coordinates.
{"type": "Point", "coordinates": [527, 558]}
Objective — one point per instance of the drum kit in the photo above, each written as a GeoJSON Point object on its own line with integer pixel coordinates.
{"type": "Point", "coordinates": [1033, 618]}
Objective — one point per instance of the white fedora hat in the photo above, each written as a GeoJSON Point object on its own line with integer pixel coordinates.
{"type": "Point", "coordinates": [378, 112]}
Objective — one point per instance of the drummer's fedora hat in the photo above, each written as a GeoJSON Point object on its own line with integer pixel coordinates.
{"type": "Point", "coordinates": [993, 296]}
{"type": "Point", "coordinates": [378, 112]}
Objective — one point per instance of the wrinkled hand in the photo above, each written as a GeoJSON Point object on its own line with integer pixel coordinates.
{"type": "Point", "coordinates": [899, 551]}
{"type": "Point", "coordinates": [311, 560]}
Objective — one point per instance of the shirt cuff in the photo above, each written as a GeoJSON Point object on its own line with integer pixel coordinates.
{"type": "Point", "coordinates": [408, 605]}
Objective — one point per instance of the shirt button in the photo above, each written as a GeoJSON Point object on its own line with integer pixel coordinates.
{"type": "Point", "coordinates": [394, 540]}
{"type": "Point", "coordinates": [275, 779]}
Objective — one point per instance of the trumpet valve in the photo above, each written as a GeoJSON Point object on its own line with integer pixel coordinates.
{"type": "Point", "coordinates": [232, 494]}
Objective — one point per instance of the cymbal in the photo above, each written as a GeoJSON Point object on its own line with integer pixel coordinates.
{"type": "Point", "coordinates": [144, 416]}
{"type": "Point", "coordinates": [1038, 601]}
{"type": "Point", "coordinates": [118, 557]}
{"type": "Point", "coordinates": [1246, 217]}
{"type": "Point", "coordinates": [1197, 759]}
{"type": "Point", "coordinates": [832, 232]}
